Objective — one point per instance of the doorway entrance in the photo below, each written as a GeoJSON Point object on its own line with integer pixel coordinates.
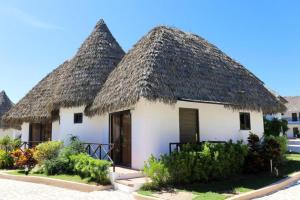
{"type": "Point", "coordinates": [40, 132]}
{"type": "Point", "coordinates": [120, 136]}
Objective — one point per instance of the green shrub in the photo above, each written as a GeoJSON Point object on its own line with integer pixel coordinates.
{"type": "Point", "coordinates": [6, 160]}
{"type": "Point", "coordinates": [255, 161]}
{"type": "Point", "coordinates": [272, 150]}
{"type": "Point", "coordinates": [261, 152]}
{"type": "Point", "coordinates": [210, 162]}
{"type": "Point", "coordinates": [9, 144]}
{"type": "Point", "coordinates": [47, 151]}
{"type": "Point", "coordinates": [157, 170]}
{"type": "Point", "coordinates": [87, 167]}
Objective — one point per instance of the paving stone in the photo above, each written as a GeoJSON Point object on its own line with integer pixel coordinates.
{"type": "Point", "coordinates": [17, 190]}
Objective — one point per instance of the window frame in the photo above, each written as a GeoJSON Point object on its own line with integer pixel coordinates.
{"type": "Point", "coordinates": [245, 127]}
{"type": "Point", "coordinates": [294, 117]}
{"type": "Point", "coordinates": [76, 117]}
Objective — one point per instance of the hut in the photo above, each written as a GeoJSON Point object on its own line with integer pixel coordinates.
{"type": "Point", "coordinates": [175, 87]}
{"type": "Point", "coordinates": [171, 87]}
{"type": "Point", "coordinates": [5, 105]}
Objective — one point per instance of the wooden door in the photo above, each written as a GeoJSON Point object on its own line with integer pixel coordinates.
{"type": "Point", "coordinates": [39, 132]}
{"type": "Point", "coordinates": [188, 125]}
{"type": "Point", "coordinates": [120, 136]}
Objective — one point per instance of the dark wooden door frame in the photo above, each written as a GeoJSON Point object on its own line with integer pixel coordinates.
{"type": "Point", "coordinates": [197, 120]}
{"type": "Point", "coordinates": [110, 133]}
{"type": "Point", "coordinates": [41, 138]}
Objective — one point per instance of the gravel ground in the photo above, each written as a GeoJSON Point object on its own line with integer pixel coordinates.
{"type": "Point", "coordinates": [290, 193]}
{"type": "Point", "coordinates": [17, 190]}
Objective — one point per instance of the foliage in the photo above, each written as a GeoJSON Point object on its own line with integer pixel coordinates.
{"type": "Point", "coordinates": [275, 126]}
{"type": "Point", "coordinates": [212, 162]}
{"type": "Point", "coordinates": [24, 158]}
{"type": "Point", "coordinates": [87, 167]}
{"type": "Point", "coordinates": [261, 152]}
{"type": "Point", "coordinates": [9, 144]}
{"type": "Point", "coordinates": [61, 164]}
{"type": "Point", "coordinates": [6, 161]}
{"type": "Point", "coordinates": [157, 170]}
{"type": "Point", "coordinates": [47, 151]}
{"type": "Point", "coordinates": [255, 161]}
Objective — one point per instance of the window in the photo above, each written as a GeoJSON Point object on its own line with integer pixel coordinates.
{"type": "Point", "coordinates": [294, 117]}
{"type": "Point", "coordinates": [245, 123]}
{"type": "Point", "coordinates": [78, 118]}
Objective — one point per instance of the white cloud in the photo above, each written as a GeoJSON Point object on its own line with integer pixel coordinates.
{"type": "Point", "coordinates": [27, 18]}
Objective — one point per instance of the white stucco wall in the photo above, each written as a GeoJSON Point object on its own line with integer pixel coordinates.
{"type": "Point", "coordinates": [56, 130]}
{"type": "Point", "coordinates": [92, 130]}
{"type": "Point", "coordinates": [25, 132]}
{"type": "Point", "coordinates": [155, 125]}
{"type": "Point", "coordinates": [14, 133]}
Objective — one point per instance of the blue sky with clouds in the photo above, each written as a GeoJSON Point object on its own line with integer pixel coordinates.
{"type": "Point", "coordinates": [37, 36]}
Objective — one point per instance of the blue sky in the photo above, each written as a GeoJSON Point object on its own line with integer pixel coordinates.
{"type": "Point", "coordinates": [37, 36]}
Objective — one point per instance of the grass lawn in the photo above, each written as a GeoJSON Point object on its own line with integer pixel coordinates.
{"type": "Point", "coordinates": [65, 177]}
{"type": "Point", "coordinates": [222, 189]}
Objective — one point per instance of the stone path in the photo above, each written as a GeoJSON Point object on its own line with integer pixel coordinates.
{"type": "Point", "coordinates": [17, 190]}
{"type": "Point", "coordinates": [290, 193]}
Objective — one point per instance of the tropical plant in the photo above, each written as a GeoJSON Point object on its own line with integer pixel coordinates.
{"type": "Point", "coordinates": [275, 126]}
{"type": "Point", "coordinates": [24, 159]}
{"type": "Point", "coordinates": [9, 144]}
{"type": "Point", "coordinates": [6, 161]}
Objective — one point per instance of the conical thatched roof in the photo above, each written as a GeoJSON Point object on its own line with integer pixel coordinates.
{"type": "Point", "coordinates": [34, 106]}
{"type": "Point", "coordinates": [5, 105]}
{"type": "Point", "coordinates": [169, 65]}
{"type": "Point", "coordinates": [88, 70]}
{"type": "Point", "coordinates": [74, 83]}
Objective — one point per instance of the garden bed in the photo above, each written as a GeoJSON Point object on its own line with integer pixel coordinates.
{"type": "Point", "coordinates": [219, 190]}
{"type": "Point", "coordinates": [73, 182]}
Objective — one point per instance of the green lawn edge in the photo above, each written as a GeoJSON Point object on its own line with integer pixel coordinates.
{"type": "Point", "coordinates": [65, 177]}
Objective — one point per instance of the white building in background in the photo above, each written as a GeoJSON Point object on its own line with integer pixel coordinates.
{"type": "Point", "coordinates": [292, 115]}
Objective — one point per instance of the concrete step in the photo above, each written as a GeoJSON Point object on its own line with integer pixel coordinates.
{"type": "Point", "coordinates": [130, 185]}
{"type": "Point", "coordinates": [125, 173]}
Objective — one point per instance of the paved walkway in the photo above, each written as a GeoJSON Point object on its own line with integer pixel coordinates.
{"type": "Point", "coordinates": [291, 193]}
{"type": "Point", "coordinates": [17, 190]}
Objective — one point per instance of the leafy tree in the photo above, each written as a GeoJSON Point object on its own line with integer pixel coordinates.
{"type": "Point", "coordinates": [275, 126]}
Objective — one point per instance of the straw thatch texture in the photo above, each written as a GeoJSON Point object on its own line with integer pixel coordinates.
{"type": "Point", "coordinates": [34, 106]}
{"type": "Point", "coordinates": [88, 70]}
{"type": "Point", "coordinates": [5, 105]}
{"type": "Point", "coordinates": [74, 83]}
{"type": "Point", "coordinates": [168, 65]}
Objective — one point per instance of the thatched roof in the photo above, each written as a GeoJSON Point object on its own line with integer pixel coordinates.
{"type": "Point", "coordinates": [73, 83]}
{"type": "Point", "coordinates": [88, 70]}
{"type": "Point", "coordinates": [168, 65]}
{"type": "Point", "coordinates": [5, 105]}
{"type": "Point", "coordinates": [293, 105]}
{"type": "Point", "coordinates": [34, 106]}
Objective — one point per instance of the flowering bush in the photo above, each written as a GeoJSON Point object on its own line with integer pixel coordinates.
{"type": "Point", "coordinates": [24, 158]}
